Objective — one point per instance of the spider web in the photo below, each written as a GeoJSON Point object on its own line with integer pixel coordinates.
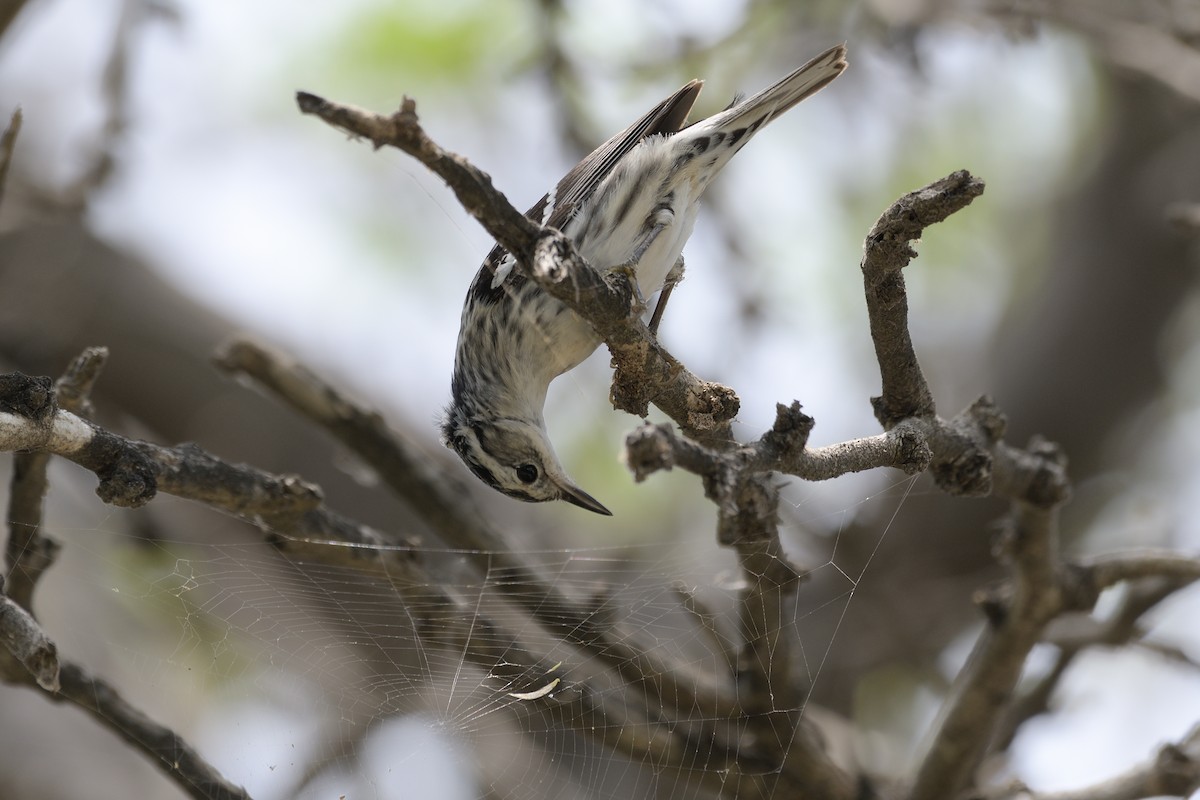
{"type": "Point", "coordinates": [315, 681]}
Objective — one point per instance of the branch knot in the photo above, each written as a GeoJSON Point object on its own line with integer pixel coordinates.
{"type": "Point", "coordinates": [31, 397]}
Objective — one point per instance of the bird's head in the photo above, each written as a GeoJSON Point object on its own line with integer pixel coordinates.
{"type": "Point", "coordinates": [514, 456]}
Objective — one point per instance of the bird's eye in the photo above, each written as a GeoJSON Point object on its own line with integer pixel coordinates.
{"type": "Point", "coordinates": [527, 473]}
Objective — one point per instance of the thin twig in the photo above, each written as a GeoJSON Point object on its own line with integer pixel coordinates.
{"type": "Point", "coordinates": [1145, 45]}
{"type": "Point", "coordinates": [1110, 569]}
{"type": "Point", "coordinates": [9, 9]}
{"type": "Point", "coordinates": [132, 472]}
{"type": "Point", "coordinates": [167, 749]}
{"type": "Point", "coordinates": [8, 143]}
{"type": "Point", "coordinates": [25, 640]}
{"type": "Point", "coordinates": [1174, 771]}
{"type": "Point", "coordinates": [983, 689]}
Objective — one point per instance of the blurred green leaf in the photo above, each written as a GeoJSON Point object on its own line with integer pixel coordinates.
{"type": "Point", "coordinates": [454, 41]}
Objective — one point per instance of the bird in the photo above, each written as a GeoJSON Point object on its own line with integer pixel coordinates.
{"type": "Point", "coordinates": [630, 204]}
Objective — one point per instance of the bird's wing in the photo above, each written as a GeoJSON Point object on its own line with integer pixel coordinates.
{"type": "Point", "coordinates": [556, 207]}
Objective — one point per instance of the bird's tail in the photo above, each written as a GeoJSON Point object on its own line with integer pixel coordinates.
{"type": "Point", "coordinates": [745, 117]}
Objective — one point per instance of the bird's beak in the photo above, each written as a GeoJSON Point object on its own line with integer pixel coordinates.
{"type": "Point", "coordinates": [578, 497]}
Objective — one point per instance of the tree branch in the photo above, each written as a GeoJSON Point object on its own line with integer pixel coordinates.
{"type": "Point", "coordinates": [1109, 569]}
{"type": "Point", "coordinates": [8, 141]}
{"type": "Point", "coordinates": [1173, 772]}
{"type": "Point", "coordinates": [985, 686]}
{"type": "Point", "coordinates": [1119, 629]}
{"type": "Point", "coordinates": [167, 749]}
{"type": "Point", "coordinates": [25, 641]}
{"type": "Point", "coordinates": [9, 9]}
{"type": "Point", "coordinates": [887, 251]}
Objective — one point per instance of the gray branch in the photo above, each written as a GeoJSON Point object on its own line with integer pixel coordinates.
{"type": "Point", "coordinates": [1173, 772]}
{"type": "Point", "coordinates": [167, 749]}
{"type": "Point", "coordinates": [887, 251]}
{"type": "Point", "coordinates": [25, 641]}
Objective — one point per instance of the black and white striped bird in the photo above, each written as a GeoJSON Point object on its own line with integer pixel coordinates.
{"type": "Point", "coordinates": [630, 204]}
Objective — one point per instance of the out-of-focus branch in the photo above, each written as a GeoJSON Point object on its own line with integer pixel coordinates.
{"type": "Point", "coordinates": [67, 681]}
{"type": "Point", "coordinates": [29, 552]}
{"type": "Point", "coordinates": [132, 472]}
{"type": "Point", "coordinates": [25, 641]}
{"type": "Point", "coordinates": [1130, 35]}
{"type": "Point", "coordinates": [1103, 571]}
{"type": "Point", "coordinates": [1119, 629]}
{"type": "Point", "coordinates": [167, 749]}
{"type": "Point", "coordinates": [114, 84]}
{"type": "Point", "coordinates": [1185, 216]}
{"type": "Point", "coordinates": [887, 251]}
{"type": "Point", "coordinates": [986, 684]}
{"type": "Point", "coordinates": [8, 143]}
{"type": "Point", "coordinates": [1173, 772]}
{"type": "Point", "coordinates": [9, 9]}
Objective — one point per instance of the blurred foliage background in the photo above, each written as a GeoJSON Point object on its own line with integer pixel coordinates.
{"type": "Point", "coordinates": [166, 194]}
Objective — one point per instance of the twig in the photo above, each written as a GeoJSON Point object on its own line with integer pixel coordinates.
{"type": "Point", "coordinates": [114, 84]}
{"type": "Point", "coordinates": [63, 680]}
{"type": "Point", "coordinates": [167, 749]}
{"type": "Point", "coordinates": [74, 388]}
{"type": "Point", "coordinates": [1110, 569]}
{"type": "Point", "coordinates": [132, 472]}
{"type": "Point", "coordinates": [25, 640]}
{"type": "Point", "coordinates": [1173, 772]}
{"type": "Point", "coordinates": [985, 685]}
{"type": "Point", "coordinates": [887, 251]}
{"type": "Point", "coordinates": [8, 142]}
{"type": "Point", "coordinates": [651, 448]}
{"type": "Point", "coordinates": [9, 9]}
{"type": "Point", "coordinates": [1144, 46]}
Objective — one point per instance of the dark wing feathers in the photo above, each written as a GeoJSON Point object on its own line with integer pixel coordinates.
{"type": "Point", "coordinates": [577, 185]}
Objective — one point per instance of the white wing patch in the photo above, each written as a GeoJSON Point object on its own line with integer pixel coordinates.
{"type": "Point", "coordinates": [503, 269]}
